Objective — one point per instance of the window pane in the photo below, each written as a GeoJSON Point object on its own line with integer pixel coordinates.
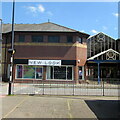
{"type": "Point", "coordinates": [59, 72]}
{"type": "Point", "coordinates": [19, 71]}
{"type": "Point", "coordinates": [39, 72]}
{"type": "Point", "coordinates": [21, 38]}
{"type": "Point", "coordinates": [80, 72]}
{"type": "Point", "coordinates": [53, 39]}
{"type": "Point", "coordinates": [69, 73]}
{"type": "Point", "coordinates": [37, 38]}
{"type": "Point", "coordinates": [29, 72]}
{"type": "Point", "coordinates": [80, 40]}
{"type": "Point", "coordinates": [69, 39]}
{"type": "Point", "coordinates": [49, 72]}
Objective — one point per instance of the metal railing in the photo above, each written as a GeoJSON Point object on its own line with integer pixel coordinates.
{"type": "Point", "coordinates": [87, 88]}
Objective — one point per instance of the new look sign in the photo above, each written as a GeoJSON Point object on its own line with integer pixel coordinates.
{"type": "Point", "coordinates": [45, 62]}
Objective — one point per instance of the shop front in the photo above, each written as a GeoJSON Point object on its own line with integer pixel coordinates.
{"type": "Point", "coordinates": [58, 70]}
{"type": "Point", "coordinates": [36, 72]}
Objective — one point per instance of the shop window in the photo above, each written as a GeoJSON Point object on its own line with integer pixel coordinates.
{"type": "Point", "coordinates": [59, 72]}
{"type": "Point", "coordinates": [80, 72]}
{"type": "Point", "coordinates": [39, 72]}
{"type": "Point", "coordinates": [21, 38]}
{"type": "Point", "coordinates": [19, 71]}
{"type": "Point", "coordinates": [37, 38]}
{"type": "Point", "coordinates": [54, 39]}
{"type": "Point", "coordinates": [50, 72]}
{"type": "Point", "coordinates": [69, 73]}
{"type": "Point", "coordinates": [69, 39]}
{"type": "Point", "coordinates": [29, 72]}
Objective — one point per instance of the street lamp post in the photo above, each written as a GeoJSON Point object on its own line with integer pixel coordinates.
{"type": "Point", "coordinates": [0, 48]}
{"type": "Point", "coordinates": [11, 51]}
{"type": "Point", "coordinates": [0, 29]}
{"type": "Point", "coordinates": [0, 62]}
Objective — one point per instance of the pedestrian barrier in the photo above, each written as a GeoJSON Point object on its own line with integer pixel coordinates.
{"type": "Point", "coordinates": [87, 88]}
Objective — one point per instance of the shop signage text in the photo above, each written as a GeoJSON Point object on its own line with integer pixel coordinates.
{"type": "Point", "coordinates": [45, 62]}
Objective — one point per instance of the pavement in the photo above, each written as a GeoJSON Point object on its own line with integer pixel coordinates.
{"type": "Point", "coordinates": [67, 107]}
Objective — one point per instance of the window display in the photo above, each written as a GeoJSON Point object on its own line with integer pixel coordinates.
{"type": "Point", "coordinates": [19, 71]}
{"type": "Point", "coordinates": [39, 73]}
{"type": "Point", "coordinates": [29, 72]}
{"type": "Point", "coordinates": [36, 72]}
{"type": "Point", "coordinates": [69, 73]}
{"type": "Point", "coordinates": [59, 72]}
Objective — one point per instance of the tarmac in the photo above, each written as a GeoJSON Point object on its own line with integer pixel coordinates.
{"type": "Point", "coordinates": [57, 106]}
{"type": "Point", "coordinates": [65, 107]}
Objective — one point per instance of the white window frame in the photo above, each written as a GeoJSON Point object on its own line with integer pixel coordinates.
{"type": "Point", "coordinates": [66, 72]}
{"type": "Point", "coordinates": [23, 73]}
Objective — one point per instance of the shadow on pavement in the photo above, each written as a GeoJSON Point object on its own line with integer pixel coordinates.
{"type": "Point", "coordinates": [105, 109]}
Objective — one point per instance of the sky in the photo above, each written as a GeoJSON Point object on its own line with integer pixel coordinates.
{"type": "Point", "coordinates": [88, 17]}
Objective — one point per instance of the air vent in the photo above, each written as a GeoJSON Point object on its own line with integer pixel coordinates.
{"type": "Point", "coordinates": [100, 37]}
{"type": "Point", "coordinates": [110, 55]}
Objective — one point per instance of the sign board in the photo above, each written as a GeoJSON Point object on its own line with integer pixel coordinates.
{"type": "Point", "coordinates": [45, 62]}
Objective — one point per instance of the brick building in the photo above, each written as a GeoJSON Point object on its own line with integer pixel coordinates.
{"type": "Point", "coordinates": [46, 51]}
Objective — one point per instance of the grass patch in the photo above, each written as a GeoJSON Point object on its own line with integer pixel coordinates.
{"type": "Point", "coordinates": [11, 95]}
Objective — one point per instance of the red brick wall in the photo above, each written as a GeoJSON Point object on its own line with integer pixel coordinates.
{"type": "Point", "coordinates": [82, 55]}
{"type": "Point", "coordinates": [28, 36]}
{"type": "Point", "coordinates": [46, 52]}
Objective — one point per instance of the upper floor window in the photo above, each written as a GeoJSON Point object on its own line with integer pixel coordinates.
{"type": "Point", "coordinates": [80, 40]}
{"type": "Point", "coordinates": [69, 39]}
{"type": "Point", "coordinates": [37, 38]}
{"type": "Point", "coordinates": [21, 38]}
{"type": "Point", "coordinates": [54, 39]}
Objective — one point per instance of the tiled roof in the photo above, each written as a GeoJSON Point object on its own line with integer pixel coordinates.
{"type": "Point", "coordinates": [45, 27]}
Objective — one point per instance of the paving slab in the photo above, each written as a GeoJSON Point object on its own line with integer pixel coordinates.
{"type": "Point", "coordinates": [44, 107]}
{"type": "Point", "coordinates": [9, 103]}
{"type": "Point", "coordinates": [41, 106]}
